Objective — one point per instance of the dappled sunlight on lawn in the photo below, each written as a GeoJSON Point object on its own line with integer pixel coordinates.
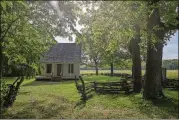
{"type": "Point", "coordinates": [100, 78]}
{"type": "Point", "coordinates": [38, 83]}
{"type": "Point", "coordinates": [47, 108]}
{"type": "Point", "coordinates": [45, 99]}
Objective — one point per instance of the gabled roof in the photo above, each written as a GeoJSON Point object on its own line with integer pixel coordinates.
{"type": "Point", "coordinates": [64, 53]}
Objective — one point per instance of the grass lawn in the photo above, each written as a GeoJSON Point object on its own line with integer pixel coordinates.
{"type": "Point", "coordinates": [172, 74]}
{"type": "Point", "coordinates": [38, 99]}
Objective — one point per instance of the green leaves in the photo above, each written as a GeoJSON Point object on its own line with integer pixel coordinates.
{"type": "Point", "coordinates": [23, 42]}
{"type": "Point", "coordinates": [106, 29]}
{"type": "Point", "coordinates": [29, 28]}
{"type": "Point", "coordinates": [3, 4]}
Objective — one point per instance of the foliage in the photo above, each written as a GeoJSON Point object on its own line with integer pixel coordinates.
{"type": "Point", "coordinates": [58, 16]}
{"type": "Point", "coordinates": [103, 39]}
{"type": "Point", "coordinates": [3, 94]}
{"type": "Point", "coordinates": [23, 42]}
{"type": "Point", "coordinates": [114, 28]}
{"type": "Point", "coordinates": [29, 28]}
{"type": "Point", "coordinates": [171, 64]}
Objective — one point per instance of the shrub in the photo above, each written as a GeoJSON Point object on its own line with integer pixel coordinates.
{"type": "Point", "coordinates": [4, 89]}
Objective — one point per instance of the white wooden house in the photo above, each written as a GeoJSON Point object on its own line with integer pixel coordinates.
{"type": "Point", "coordinates": [62, 61]}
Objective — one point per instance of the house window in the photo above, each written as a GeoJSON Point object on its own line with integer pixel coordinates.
{"type": "Point", "coordinates": [70, 68]}
{"type": "Point", "coordinates": [49, 68]}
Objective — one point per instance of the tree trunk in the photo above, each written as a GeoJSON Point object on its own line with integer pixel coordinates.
{"type": "Point", "coordinates": [112, 69]}
{"type": "Point", "coordinates": [96, 68]}
{"type": "Point", "coordinates": [1, 60]}
{"type": "Point", "coordinates": [136, 60]}
{"type": "Point", "coordinates": [152, 85]}
{"type": "Point", "coordinates": [1, 50]}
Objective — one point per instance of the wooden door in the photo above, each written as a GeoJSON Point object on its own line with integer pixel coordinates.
{"type": "Point", "coordinates": [59, 69]}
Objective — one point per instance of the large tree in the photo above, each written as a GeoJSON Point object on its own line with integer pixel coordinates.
{"type": "Point", "coordinates": [28, 29]}
{"type": "Point", "coordinates": [124, 27]}
{"type": "Point", "coordinates": [11, 13]}
{"type": "Point", "coordinates": [136, 59]}
{"type": "Point", "coordinates": [89, 38]}
{"type": "Point", "coordinates": [161, 23]}
{"type": "Point", "coordinates": [91, 49]}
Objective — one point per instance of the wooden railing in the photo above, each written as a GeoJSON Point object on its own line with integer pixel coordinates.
{"type": "Point", "coordinates": [124, 85]}
{"type": "Point", "coordinates": [171, 83]}
{"type": "Point", "coordinates": [114, 87]}
{"type": "Point", "coordinates": [85, 89]}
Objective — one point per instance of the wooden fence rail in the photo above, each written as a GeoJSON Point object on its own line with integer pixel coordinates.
{"type": "Point", "coordinates": [85, 89]}
{"type": "Point", "coordinates": [113, 87]}
{"type": "Point", "coordinates": [124, 85]}
{"type": "Point", "coordinates": [171, 83]}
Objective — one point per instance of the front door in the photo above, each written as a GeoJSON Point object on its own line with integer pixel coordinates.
{"type": "Point", "coordinates": [59, 69]}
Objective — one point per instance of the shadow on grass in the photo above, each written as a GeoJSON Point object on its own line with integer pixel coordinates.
{"type": "Point", "coordinates": [82, 103]}
{"type": "Point", "coordinates": [115, 93]}
{"type": "Point", "coordinates": [164, 108]}
{"type": "Point", "coordinates": [119, 95]}
{"type": "Point", "coordinates": [25, 112]}
{"type": "Point", "coordinates": [38, 109]}
{"type": "Point", "coordinates": [38, 83]}
{"type": "Point", "coordinates": [24, 93]}
{"type": "Point", "coordinates": [173, 89]}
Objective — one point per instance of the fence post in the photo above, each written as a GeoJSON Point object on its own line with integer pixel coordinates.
{"type": "Point", "coordinates": [76, 83]}
{"type": "Point", "coordinates": [94, 86]}
{"type": "Point", "coordinates": [83, 89]}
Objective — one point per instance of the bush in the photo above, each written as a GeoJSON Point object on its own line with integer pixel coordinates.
{"type": "Point", "coordinates": [4, 92]}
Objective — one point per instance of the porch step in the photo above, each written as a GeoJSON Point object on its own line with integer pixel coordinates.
{"type": "Point", "coordinates": [42, 78]}
{"type": "Point", "coordinates": [56, 78]}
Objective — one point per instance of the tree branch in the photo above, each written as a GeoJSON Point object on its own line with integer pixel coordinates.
{"type": "Point", "coordinates": [170, 26]}
{"type": "Point", "coordinates": [9, 26]}
{"type": "Point", "coordinates": [75, 31]}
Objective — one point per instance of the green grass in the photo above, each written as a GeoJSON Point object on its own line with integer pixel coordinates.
{"type": "Point", "coordinates": [39, 99]}
{"type": "Point", "coordinates": [171, 74]}
{"type": "Point", "coordinates": [101, 78]}
{"type": "Point", "coordinates": [106, 71]}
